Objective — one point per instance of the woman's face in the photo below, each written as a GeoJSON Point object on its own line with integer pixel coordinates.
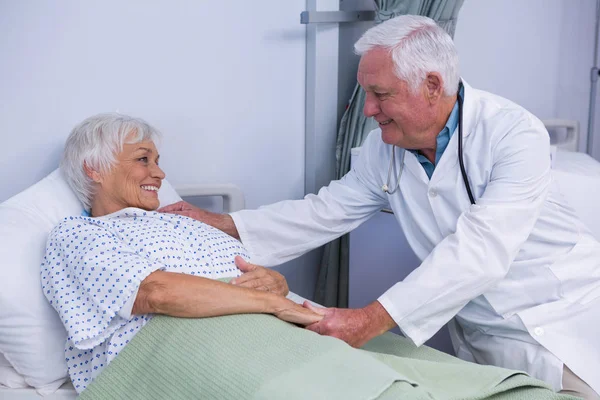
{"type": "Point", "coordinates": [133, 181]}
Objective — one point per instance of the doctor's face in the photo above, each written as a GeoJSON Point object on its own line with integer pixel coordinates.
{"type": "Point", "coordinates": [405, 118]}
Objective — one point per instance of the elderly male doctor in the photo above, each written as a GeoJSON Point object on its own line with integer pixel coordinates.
{"type": "Point", "coordinates": [513, 266]}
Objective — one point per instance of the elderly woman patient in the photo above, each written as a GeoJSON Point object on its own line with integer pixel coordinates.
{"type": "Point", "coordinates": [107, 272]}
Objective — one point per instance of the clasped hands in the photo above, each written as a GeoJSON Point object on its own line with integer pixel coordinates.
{"type": "Point", "coordinates": [354, 326]}
{"type": "Point", "coordinates": [349, 325]}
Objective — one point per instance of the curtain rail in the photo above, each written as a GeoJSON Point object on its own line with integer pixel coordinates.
{"type": "Point", "coordinates": [324, 17]}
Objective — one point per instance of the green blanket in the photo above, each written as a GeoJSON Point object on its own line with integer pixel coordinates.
{"type": "Point", "coordinates": [257, 356]}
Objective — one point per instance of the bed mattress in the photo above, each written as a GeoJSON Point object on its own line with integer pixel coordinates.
{"type": "Point", "coordinates": [578, 177]}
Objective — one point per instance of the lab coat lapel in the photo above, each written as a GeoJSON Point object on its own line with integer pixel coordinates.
{"type": "Point", "coordinates": [413, 166]}
{"type": "Point", "coordinates": [449, 160]}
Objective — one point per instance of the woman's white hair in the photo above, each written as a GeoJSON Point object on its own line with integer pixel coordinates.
{"type": "Point", "coordinates": [417, 46]}
{"type": "Point", "coordinates": [94, 143]}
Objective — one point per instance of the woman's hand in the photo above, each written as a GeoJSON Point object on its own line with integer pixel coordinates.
{"type": "Point", "coordinates": [289, 311]}
{"type": "Point", "coordinates": [260, 278]}
{"type": "Point", "coordinates": [354, 326]}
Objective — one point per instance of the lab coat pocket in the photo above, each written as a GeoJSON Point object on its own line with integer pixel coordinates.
{"type": "Point", "coordinates": [526, 285]}
{"type": "Point", "coordinates": [579, 271]}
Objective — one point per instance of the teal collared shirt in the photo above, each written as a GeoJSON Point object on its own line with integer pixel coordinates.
{"type": "Point", "coordinates": [442, 140]}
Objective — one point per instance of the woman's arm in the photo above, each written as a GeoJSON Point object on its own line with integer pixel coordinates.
{"type": "Point", "coordinates": [189, 296]}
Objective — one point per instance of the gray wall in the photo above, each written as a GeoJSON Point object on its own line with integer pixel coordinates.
{"type": "Point", "coordinates": [537, 53]}
{"type": "Point", "coordinates": [229, 93]}
{"type": "Point", "coordinates": [223, 81]}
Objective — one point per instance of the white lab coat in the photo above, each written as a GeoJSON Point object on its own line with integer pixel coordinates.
{"type": "Point", "coordinates": [518, 270]}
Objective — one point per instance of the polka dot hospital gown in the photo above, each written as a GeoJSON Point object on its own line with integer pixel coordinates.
{"type": "Point", "coordinates": [94, 266]}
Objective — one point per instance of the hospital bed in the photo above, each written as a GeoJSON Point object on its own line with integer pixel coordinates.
{"type": "Point", "coordinates": [44, 205]}
{"type": "Point", "coordinates": [577, 174]}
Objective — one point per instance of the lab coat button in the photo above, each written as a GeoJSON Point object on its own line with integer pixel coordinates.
{"type": "Point", "coordinates": [432, 193]}
{"type": "Point", "coordinates": [538, 331]}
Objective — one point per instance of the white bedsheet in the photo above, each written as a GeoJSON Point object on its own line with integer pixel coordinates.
{"type": "Point", "coordinates": [578, 176]}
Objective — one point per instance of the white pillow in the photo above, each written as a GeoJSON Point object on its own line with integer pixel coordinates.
{"type": "Point", "coordinates": [32, 337]}
{"type": "Point", "coordinates": [9, 377]}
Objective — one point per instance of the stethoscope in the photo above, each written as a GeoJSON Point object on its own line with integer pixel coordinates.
{"type": "Point", "coordinates": [386, 186]}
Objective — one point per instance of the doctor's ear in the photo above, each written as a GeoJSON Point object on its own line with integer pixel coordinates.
{"type": "Point", "coordinates": [434, 87]}
{"type": "Point", "coordinates": [92, 173]}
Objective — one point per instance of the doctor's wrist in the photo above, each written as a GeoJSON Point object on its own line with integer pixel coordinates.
{"type": "Point", "coordinates": [378, 319]}
{"type": "Point", "coordinates": [222, 222]}
{"type": "Point", "coordinates": [228, 226]}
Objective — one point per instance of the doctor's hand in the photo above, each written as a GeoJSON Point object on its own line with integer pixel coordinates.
{"type": "Point", "coordinates": [223, 222]}
{"type": "Point", "coordinates": [186, 209]}
{"type": "Point", "coordinates": [261, 278]}
{"type": "Point", "coordinates": [354, 326]}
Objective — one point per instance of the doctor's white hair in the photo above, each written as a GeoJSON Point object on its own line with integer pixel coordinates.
{"type": "Point", "coordinates": [95, 142]}
{"type": "Point", "coordinates": [417, 46]}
